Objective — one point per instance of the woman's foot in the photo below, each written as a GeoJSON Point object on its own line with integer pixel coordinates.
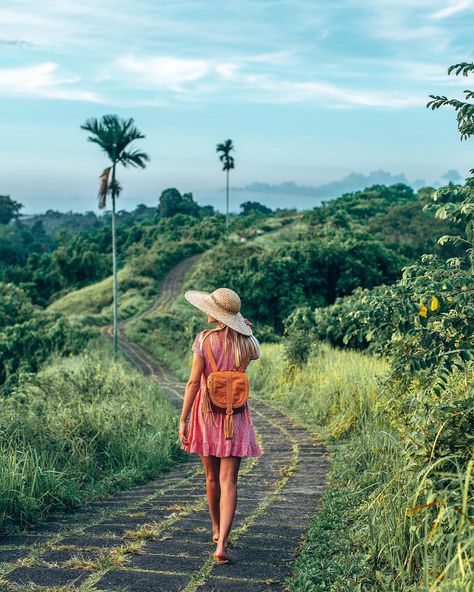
{"type": "Point", "coordinates": [215, 536]}
{"type": "Point", "coordinates": [220, 555]}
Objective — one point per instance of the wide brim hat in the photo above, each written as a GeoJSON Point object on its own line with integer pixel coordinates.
{"type": "Point", "coordinates": [223, 304]}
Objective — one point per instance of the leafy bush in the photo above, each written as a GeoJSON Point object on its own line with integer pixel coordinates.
{"type": "Point", "coordinates": [425, 321]}
{"type": "Point", "coordinates": [29, 335]}
{"type": "Point", "coordinates": [273, 280]}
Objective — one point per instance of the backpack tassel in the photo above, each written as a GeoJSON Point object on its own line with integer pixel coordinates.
{"type": "Point", "coordinates": [206, 410]}
{"type": "Point", "coordinates": [229, 425]}
{"type": "Point", "coordinates": [205, 404]}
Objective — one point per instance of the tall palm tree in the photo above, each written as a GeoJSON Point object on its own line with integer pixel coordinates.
{"type": "Point", "coordinates": [228, 163]}
{"type": "Point", "coordinates": [114, 135]}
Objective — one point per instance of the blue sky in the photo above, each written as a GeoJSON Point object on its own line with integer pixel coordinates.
{"type": "Point", "coordinates": [308, 91]}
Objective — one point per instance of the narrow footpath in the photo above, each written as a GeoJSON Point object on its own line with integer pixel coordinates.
{"type": "Point", "coordinates": [157, 537]}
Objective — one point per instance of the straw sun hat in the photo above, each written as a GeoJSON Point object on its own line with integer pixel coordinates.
{"type": "Point", "coordinates": [223, 304]}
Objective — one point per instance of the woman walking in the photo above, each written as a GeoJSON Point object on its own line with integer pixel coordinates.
{"type": "Point", "coordinates": [228, 346]}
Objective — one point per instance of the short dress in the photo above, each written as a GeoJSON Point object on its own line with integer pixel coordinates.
{"type": "Point", "coordinates": [207, 437]}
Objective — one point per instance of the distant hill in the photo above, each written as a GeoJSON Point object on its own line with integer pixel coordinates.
{"type": "Point", "coordinates": [351, 182]}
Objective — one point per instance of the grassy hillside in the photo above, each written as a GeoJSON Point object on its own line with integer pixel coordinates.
{"type": "Point", "coordinates": [64, 437]}
{"type": "Point", "coordinates": [159, 246]}
{"type": "Point", "coordinates": [95, 301]}
{"type": "Point", "coordinates": [398, 514]}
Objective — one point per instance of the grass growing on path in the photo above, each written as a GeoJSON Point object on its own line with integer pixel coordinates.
{"type": "Point", "coordinates": [331, 559]}
{"type": "Point", "coordinates": [82, 426]}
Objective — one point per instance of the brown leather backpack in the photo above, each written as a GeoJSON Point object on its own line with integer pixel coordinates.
{"type": "Point", "coordinates": [225, 391]}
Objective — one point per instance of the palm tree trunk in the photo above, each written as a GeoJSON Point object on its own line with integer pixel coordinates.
{"type": "Point", "coordinates": [227, 203]}
{"type": "Point", "coordinates": [114, 265]}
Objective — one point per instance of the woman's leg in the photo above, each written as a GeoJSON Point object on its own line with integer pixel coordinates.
{"type": "Point", "coordinates": [228, 481]}
{"type": "Point", "coordinates": [211, 466]}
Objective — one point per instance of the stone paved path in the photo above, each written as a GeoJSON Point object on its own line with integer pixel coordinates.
{"type": "Point", "coordinates": [157, 537]}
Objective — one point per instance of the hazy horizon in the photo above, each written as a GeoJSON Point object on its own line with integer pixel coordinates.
{"type": "Point", "coordinates": [274, 197]}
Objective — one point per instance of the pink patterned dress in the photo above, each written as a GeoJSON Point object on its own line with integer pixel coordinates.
{"type": "Point", "coordinates": [207, 437]}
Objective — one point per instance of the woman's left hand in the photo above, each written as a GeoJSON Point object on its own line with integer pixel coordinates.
{"type": "Point", "coordinates": [183, 432]}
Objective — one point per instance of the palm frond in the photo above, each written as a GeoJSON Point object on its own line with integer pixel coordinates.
{"type": "Point", "coordinates": [225, 149]}
{"type": "Point", "coordinates": [115, 188]}
{"type": "Point", "coordinates": [104, 187]}
{"type": "Point", "coordinates": [113, 134]}
{"type": "Point", "coordinates": [134, 158]}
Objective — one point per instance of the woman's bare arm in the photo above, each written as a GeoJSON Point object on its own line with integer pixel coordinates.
{"type": "Point", "coordinates": [192, 387]}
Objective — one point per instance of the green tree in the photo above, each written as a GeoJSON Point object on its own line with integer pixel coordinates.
{"type": "Point", "coordinates": [249, 207]}
{"type": "Point", "coordinates": [9, 209]}
{"type": "Point", "coordinates": [172, 202]}
{"type": "Point", "coordinates": [114, 135]}
{"type": "Point", "coordinates": [464, 109]}
{"type": "Point", "coordinates": [227, 160]}
{"type": "Point", "coordinates": [454, 202]}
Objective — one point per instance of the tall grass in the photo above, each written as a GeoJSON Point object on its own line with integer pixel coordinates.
{"type": "Point", "coordinates": [81, 426]}
{"type": "Point", "coordinates": [336, 390]}
{"type": "Point", "coordinates": [411, 500]}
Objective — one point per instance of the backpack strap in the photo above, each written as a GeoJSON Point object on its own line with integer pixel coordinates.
{"type": "Point", "coordinates": [209, 354]}
{"type": "Point", "coordinates": [213, 361]}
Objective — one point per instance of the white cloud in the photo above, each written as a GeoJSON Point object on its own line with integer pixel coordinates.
{"type": "Point", "coordinates": [191, 79]}
{"type": "Point", "coordinates": [454, 7]}
{"type": "Point", "coordinates": [329, 95]}
{"type": "Point", "coordinates": [168, 72]}
{"type": "Point", "coordinates": [308, 50]}
{"type": "Point", "coordinates": [42, 80]}
{"type": "Point", "coordinates": [174, 73]}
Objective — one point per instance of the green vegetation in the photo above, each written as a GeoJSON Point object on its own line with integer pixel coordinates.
{"type": "Point", "coordinates": [162, 245]}
{"type": "Point", "coordinates": [29, 335]}
{"type": "Point", "coordinates": [402, 483]}
{"type": "Point", "coordinates": [172, 203]}
{"type": "Point", "coordinates": [285, 260]}
{"type": "Point", "coordinates": [400, 417]}
{"type": "Point", "coordinates": [95, 301]}
{"type": "Point", "coordinates": [84, 425]}
{"type": "Point", "coordinates": [9, 209]}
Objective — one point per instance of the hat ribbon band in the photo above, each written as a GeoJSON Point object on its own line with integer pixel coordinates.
{"type": "Point", "coordinates": [221, 305]}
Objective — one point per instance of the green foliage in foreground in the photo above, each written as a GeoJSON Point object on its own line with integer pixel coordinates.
{"type": "Point", "coordinates": [82, 426]}
{"type": "Point", "coordinates": [408, 454]}
{"type": "Point", "coordinates": [30, 335]}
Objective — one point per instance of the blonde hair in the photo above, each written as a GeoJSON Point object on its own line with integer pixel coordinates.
{"type": "Point", "coordinates": [245, 347]}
